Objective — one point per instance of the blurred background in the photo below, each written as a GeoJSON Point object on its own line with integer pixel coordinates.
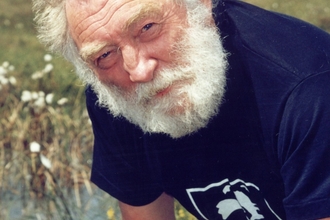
{"type": "Point", "coordinates": [45, 134]}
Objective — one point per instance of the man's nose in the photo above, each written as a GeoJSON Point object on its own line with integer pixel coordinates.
{"type": "Point", "coordinates": [138, 64]}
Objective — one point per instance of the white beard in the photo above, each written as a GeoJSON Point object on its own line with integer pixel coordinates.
{"type": "Point", "coordinates": [197, 87]}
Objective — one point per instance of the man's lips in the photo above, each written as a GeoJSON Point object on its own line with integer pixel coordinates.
{"type": "Point", "coordinates": [174, 85]}
{"type": "Point", "coordinates": [163, 92]}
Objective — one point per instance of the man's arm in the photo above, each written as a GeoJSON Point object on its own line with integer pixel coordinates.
{"type": "Point", "coordinates": [160, 209]}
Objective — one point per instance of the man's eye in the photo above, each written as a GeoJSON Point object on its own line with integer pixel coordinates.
{"type": "Point", "coordinates": [106, 60]}
{"type": "Point", "coordinates": [104, 55]}
{"type": "Point", "coordinates": [147, 27]}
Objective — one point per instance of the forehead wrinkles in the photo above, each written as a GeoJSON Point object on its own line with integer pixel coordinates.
{"type": "Point", "coordinates": [89, 16]}
{"type": "Point", "coordinates": [76, 9]}
{"type": "Point", "coordinates": [91, 12]}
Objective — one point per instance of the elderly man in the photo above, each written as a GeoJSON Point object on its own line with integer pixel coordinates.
{"type": "Point", "coordinates": [220, 105]}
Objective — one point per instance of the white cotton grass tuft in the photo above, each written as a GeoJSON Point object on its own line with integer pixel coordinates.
{"type": "Point", "coordinates": [26, 96]}
{"type": "Point", "coordinates": [5, 80]}
{"type": "Point", "coordinates": [40, 99]}
{"type": "Point", "coordinates": [62, 101]}
{"type": "Point", "coordinates": [48, 68]}
{"type": "Point", "coordinates": [49, 98]}
{"type": "Point", "coordinates": [48, 57]}
{"type": "Point", "coordinates": [45, 161]}
{"type": "Point", "coordinates": [3, 71]}
{"type": "Point", "coordinates": [35, 147]}
{"type": "Point", "coordinates": [12, 80]}
{"type": "Point", "coordinates": [5, 64]}
{"type": "Point", "coordinates": [11, 68]}
{"type": "Point", "coordinates": [40, 102]}
{"type": "Point", "coordinates": [41, 94]}
{"type": "Point", "coordinates": [37, 75]}
{"type": "Point", "coordinates": [34, 95]}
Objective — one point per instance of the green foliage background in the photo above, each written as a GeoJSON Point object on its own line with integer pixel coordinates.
{"type": "Point", "coordinates": [20, 47]}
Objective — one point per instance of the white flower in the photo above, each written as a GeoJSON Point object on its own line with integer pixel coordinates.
{"type": "Point", "coordinates": [19, 26]}
{"type": "Point", "coordinates": [48, 57]}
{"type": "Point", "coordinates": [45, 161]}
{"type": "Point", "coordinates": [3, 70]}
{"type": "Point", "coordinates": [34, 95]}
{"type": "Point", "coordinates": [41, 94]}
{"type": "Point", "coordinates": [49, 98]}
{"type": "Point", "coordinates": [40, 102]}
{"type": "Point", "coordinates": [34, 147]}
{"type": "Point", "coordinates": [12, 80]}
{"type": "Point", "coordinates": [48, 68]}
{"type": "Point", "coordinates": [7, 22]}
{"type": "Point", "coordinates": [5, 64]}
{"type": "Point", "coordinates": [3, 80]}
{"type": "Point", "coordinates": [37, 75]}
{"type": "Point", "coordinates": [62, 101]}
{"type": "Point", "coordinates": [11, 68]}
{"type": "Point", "coordinates": [26, 96]}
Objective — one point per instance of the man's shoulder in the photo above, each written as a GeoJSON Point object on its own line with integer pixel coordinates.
{"type": "Point", "coordinates": [293, 44]}
{"type": "Point", "coordinates": [91, 97]}
{"type": "Point", "coordinates": [95, 111]}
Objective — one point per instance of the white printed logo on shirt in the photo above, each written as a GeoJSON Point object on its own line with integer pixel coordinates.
{"type": "Point", "coordinates": [237, 200]}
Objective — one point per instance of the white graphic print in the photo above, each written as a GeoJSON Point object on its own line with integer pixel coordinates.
{"type": "Point", "coordinates": [237, 200]}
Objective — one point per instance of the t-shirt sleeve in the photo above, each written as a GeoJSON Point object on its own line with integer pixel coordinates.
{"type": "Point", "coordinates": [120, 162]}
{"type": "Point", "coordinates": [304, 149]}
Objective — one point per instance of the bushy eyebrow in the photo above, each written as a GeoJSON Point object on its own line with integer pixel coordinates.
{"type": "Point", "coordinates": [89, 49]}
{"type": "Point", "coordinates": [146, 11]}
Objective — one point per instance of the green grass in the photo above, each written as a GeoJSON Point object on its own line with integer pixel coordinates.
{"type": "Point", "coordinates": [19, 46]}
{"type": "Point", "coordinates": [316, 12]}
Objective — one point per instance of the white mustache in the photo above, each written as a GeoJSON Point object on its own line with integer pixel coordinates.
{"type": "Point", "coordinates": [164, 79]}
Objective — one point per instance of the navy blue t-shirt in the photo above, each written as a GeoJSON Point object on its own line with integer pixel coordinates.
{"type": "Point", "coordinates": [264, 156]}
